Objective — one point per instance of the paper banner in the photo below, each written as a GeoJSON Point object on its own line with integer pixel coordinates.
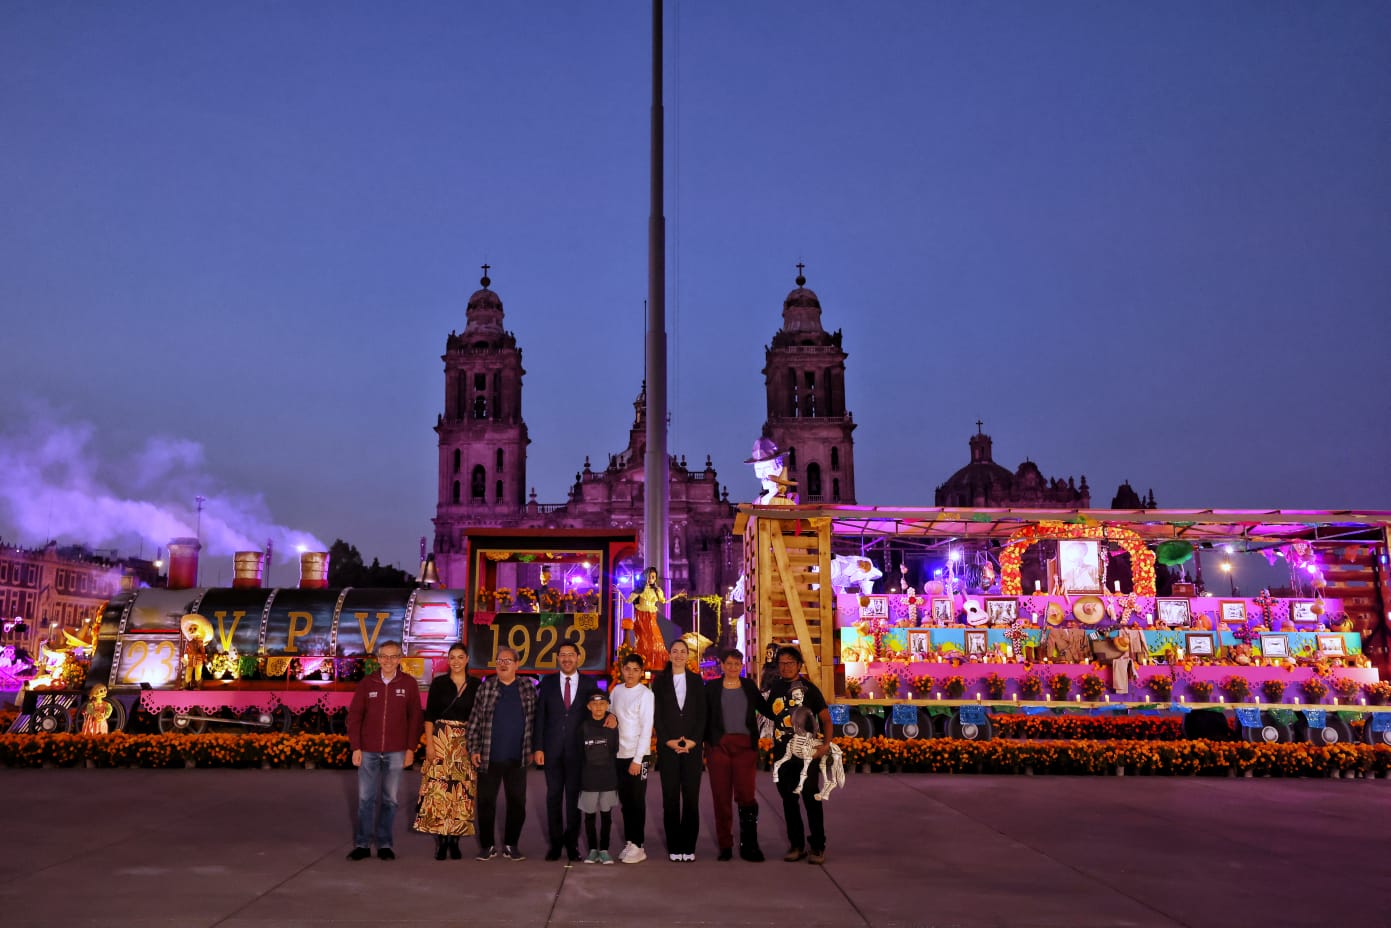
{"type": "Point", "coordinates": [1249, 718]}
{"type": "Point", "coordinates": [1179, 707]}
{"type": "Point", "coordinates": [839, 714]}
{"type": "Point", "coordinates": [905, 715]}
{"type": "Point", "coordinates": [1316, 718]}
{"type": "Point", "coordinates": [587, 621]}
{"type": "Point", "coordinates": [551, 619]}
{"type": "Point", "coordinates": [1380, 721]}
{"type": "Point", "coordinates": [484, 618]}
{"type": "Point", "coordinates": [1283, 716]}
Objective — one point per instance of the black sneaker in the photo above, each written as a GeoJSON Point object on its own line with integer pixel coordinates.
{"type": "Point", "coordinates": [385, 853]}
{"type": "Point", "coordinates": [511, 852]}
{"type": "Point", "coordinates": [360, 853]}
{"type": "Point", "coordinates": [573, 855]}
{"type": "Point", "coordinates": [487, 853]}
{"type": "Point", "coordinates": [553, 852]}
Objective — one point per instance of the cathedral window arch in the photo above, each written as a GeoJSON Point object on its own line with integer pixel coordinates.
{"type": "Point", "coordinates": [458, 460]}
{"type": "Point", "coordinates": [478, 485]}
{"type": "Point", "coordinates": [810, 403]}
{"type": "Point", "coordinates": [791, 458]}
{"type": "Point", "coordinates": [497, 495]}
{"type": "Point", "coordinates": [835, 459]}
{"type": "Point", "coordinates": [499, 459]}
{"type": "Point", "coordinates": [791, 393]}
{"type": "Point", "coordinates": [835, 489]}
{"type": "Point", "coordinates": [455, 497]}
{"type": "Point", "coordinates": [813, 481]}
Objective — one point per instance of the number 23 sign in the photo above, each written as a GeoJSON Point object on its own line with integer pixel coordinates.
{"type": "Point", "coordinates": [536, 637]}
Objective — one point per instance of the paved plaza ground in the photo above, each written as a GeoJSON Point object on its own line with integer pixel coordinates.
{"type": "Point", "coordinates": [241, 848]}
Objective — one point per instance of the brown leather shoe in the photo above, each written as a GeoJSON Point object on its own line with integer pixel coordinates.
{"type": "Point", "coordinates": [794, 854]}
{"type": "Point", "coordinates": [817, 857]}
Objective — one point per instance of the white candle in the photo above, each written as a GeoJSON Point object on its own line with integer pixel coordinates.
{"type": "Point", "coordinates": [1108, 697]}
{"type": "Point", "coordinates": [1038, 586]}
{"type": "Point", "coordinates": [1079, 697]}
{"type": "Point", "coordinates": [1183, 699]}
{"type": "Point", "coordinates": [1221, 698]}
{"type": "Point", "coordinates": [1118, 586]}
{"type": "Point", "coordinates": [1016, 698]}
{"type": "Point", "coordinates": [939, 694]}
{"type": "Point", "coordinates": [1149, 618]}
{"type": "Point", "coordinates": [1047, 697]}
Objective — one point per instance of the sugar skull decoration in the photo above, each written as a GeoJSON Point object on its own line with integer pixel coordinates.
{"type": "Point", "coordinates": [96, 713]}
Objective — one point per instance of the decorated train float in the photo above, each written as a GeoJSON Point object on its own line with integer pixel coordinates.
{"type": "Point", "coordinates": [249, 658]}
{"type": "Point", "coordinates": [957, 619]}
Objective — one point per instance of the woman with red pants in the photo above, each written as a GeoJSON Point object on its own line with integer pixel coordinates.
{"type": "Point", "coordinates": [731, 756]}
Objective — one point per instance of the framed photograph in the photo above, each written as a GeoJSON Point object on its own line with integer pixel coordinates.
{"type": "Point", "coordinates": [942, 611]}
{"type": "Point", "coordinates": [1233, 611]}
{"type": "Point", "coordinates": [1003, 610]}
{"type": "Point", "coordinates": [976, 643]}
{"type": "Point", "coordinates": [918, 642]}
{"type": "Point", "coordinates": [1173, 613]}
{"type": "Point", "coordinates": [1332, 646]}
{"type": "Point", "coordinates": [1302, 610]}
{"type": "Point", "coordinates": [1079, 565]}
{"type": "Point", "coordinates": [1275, 646]}
{"type": "Point", "coordinates": [1200, 644]}
{"type": "Point", "coordinates": [876, 608]}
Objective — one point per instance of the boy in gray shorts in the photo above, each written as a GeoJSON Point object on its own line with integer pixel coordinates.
{"type": "Point", "coordinates": [598, 778]}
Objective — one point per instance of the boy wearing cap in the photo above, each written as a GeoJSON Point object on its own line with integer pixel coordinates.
{"type": "Point", "coordinates": [598, 777]}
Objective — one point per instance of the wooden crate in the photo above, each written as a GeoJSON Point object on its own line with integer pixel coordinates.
{"type": "Point", "coordinates": [788, 595]}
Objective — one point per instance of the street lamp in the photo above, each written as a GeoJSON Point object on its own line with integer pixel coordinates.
{"type": "Point", "coordinates": [1231, 579]}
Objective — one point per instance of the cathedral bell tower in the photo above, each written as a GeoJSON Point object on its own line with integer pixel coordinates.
{"type": "Point", "coordinates": [804, 374]}
{"type": "Point", "coordinates": [482, 437]}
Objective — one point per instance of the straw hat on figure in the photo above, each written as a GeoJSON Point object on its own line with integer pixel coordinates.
{"type": "Point", "coordinates": [771, 470]}
{"type": "Point", "coordinates": [197, 632]}
{"type": "Point", "coordinates": [649, 634]}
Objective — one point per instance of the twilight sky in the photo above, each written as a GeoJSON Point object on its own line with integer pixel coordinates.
{"type": "Point", "coordinates": [1140, 241]}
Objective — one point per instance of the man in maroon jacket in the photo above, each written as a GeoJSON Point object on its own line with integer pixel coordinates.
{"type": "Point", "coordinates": [384, 726]}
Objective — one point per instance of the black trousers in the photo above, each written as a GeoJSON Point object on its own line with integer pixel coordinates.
{"type": "Point", "coordinates": [511, 776]}
{"type": "Point", "coordinates": [632, 799]}
{"type": "Point", "coordinates": [680, 797]}
{"type": "Point", "coordinates": [816, 823]}
{"type": "Point", "coordinates": [563, 799]}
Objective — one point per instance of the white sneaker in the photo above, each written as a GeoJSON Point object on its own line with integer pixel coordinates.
{"type": "Point", "coordinates": [627, 851]}
{"type": "Point", "coordinates": [636, 857]}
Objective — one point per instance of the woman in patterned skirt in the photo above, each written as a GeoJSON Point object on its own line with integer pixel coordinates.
{"type": "Point", "coordinates": [448, 782]}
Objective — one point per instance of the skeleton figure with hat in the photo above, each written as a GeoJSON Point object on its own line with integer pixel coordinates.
{"type": "Point", "coordinates": [771, 470]}
{"type": "Point", "coordinates": [197, 632]}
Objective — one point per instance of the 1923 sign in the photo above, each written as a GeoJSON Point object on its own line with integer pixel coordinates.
{"type": "Point", "coordinates": [536, 636]}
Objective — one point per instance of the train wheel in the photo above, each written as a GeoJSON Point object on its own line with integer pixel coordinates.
{"type": "Point", "coordinates": [1334, 731]}
{"type": "Point", "coordinates": [969, 731]}
{"type": "Point", "coordinates": [51, 718]}
{"type": "Point", "coordinates": [856, 726]}
{"type": "Point", "coordinates": [916, 730]}
{"type": "Point", "coordinates": [171, 720]}
{"type": "Point", "coordinates": [281, 719]}
{"type": "Point", "coordinates": [119, 716]}
{"type": "Point", "coordinates": [1270, 731]}
{"type": "Point", "coordinates": [1375, 737]}
{"type": "Point", "coordinates": [315, 721]}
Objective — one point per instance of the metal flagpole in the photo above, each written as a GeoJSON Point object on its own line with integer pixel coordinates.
{"type": "Point", "coordinates": [655, 467]}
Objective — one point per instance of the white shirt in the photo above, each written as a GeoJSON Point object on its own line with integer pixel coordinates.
{"type": "Point", "coordinates": [574, 679]}
{"type": "Point", "coordinates": [678, 683]}
{"type": "Point", "coordinates": [633, 707]}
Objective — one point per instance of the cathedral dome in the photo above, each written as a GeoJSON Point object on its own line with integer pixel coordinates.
{"type": "Point", "coordinates": [485, 299]}
{"type": "Point", "coordinates": [484, 311]}
{"type": "Point", "coordinates": [801, 311]}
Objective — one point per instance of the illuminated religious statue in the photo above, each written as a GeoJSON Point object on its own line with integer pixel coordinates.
{"type": "Point", "coordinates": [197, 632]}
{"type": "Point", "coordinates": [771, 470]}
{"type": "Point", "coordinates": [649, 635]}
{"type": "Point", "coordinates": [96, 712]}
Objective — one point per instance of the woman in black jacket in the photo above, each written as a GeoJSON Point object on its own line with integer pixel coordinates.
{"type": "Point", "coordinates": [448, 782]}
{"type": "Point", "coordinates": [733, 703]}
{"type": "Point", "coordinates": [679, 719]}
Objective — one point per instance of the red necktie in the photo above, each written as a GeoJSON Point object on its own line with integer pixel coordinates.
{"type": "Point", "coordinates": [567, 692]}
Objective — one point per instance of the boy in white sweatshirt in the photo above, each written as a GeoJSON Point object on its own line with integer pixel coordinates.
{"type": "Point", "coordinates": [631, 702]}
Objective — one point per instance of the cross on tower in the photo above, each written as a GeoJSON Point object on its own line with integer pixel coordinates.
{"type": "Point", "coordinates": [801, 278]}
{"type": "Point", "coordinates": [485, 281]}
{"type": "Point", "coordinates": [978, 425]}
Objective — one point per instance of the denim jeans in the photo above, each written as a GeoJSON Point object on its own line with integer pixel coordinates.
{"type": "Point", "coordinates": [378, 777]}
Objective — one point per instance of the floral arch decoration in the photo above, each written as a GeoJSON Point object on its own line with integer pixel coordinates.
{"type": "Point", "coordinates": [1141, 557]}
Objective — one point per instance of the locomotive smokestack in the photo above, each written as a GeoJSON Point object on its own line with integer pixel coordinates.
{"type": "Point", "coordinates": [246, 570]}
{"type": "Point", "coordinates": [183, 563]}
{"type": "Point", "coordinates": [313, 570]}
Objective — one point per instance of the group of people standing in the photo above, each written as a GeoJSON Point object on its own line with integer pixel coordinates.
{"type": "Point", "coordinates": [480, 736]}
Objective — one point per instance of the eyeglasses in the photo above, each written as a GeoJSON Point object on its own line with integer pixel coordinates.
{"type": "Point", "coordinates": [789, 662]}
{"type": "Point", "coordinates": [505, 660]}
{"type": "Point", "coordinates": [388, 657]}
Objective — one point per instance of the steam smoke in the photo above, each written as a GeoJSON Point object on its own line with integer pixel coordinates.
{"type": "Point", "coordinates": [55, 485]}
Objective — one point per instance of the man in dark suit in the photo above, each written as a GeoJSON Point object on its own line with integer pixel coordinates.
{"type": "Point", "coordinates": [561, 707]}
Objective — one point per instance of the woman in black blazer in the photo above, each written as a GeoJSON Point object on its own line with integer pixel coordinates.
{"type": "Point", "coordinates": [732, 705]}
{"type": "Point", "coordinates": [679, 719]}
